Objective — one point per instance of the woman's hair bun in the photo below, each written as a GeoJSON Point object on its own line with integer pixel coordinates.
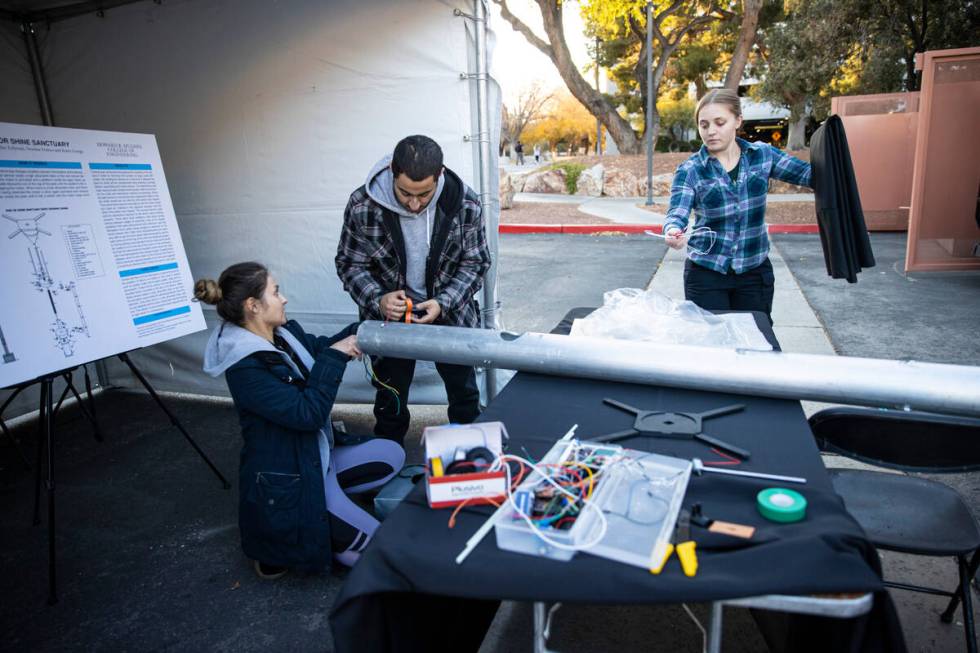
{"type": "Point", "coordinates": [207, 291]}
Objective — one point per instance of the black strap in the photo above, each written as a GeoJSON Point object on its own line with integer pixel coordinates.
{"type": "Point", "coordinates": [282, 345]}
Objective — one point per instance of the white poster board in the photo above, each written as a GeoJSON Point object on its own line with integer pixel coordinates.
{"type": "Point", "coordinates": [91, 259]}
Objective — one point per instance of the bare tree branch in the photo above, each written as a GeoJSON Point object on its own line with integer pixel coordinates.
{"type": "Point", "coordinates": [528, 108]}
{"type": "Point", "coordinates": [521, 27]}
{"type": "Point", "coordinates": [557, 50]}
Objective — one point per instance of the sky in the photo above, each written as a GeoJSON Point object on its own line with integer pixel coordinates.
{"type": "Point", "coordinates": [517, 64]}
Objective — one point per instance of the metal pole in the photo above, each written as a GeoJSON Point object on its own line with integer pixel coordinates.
{"type": "Point", "coordinates": [541, 627]}
{"type": "Point", "coordinates": [713, 645]}
{"type": "Point", "coordinates": [598, 123]}
{"type": "Point", "coordinates": [490, 208]}
{"type": "Point", "coordinates": [906, 385]}
{"type": "Point", "coordinates": [650, 101]}
{"type": "Point", "coordinates": [37, 70]}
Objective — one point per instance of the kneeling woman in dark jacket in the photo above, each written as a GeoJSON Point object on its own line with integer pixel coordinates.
{"type": "Point", "coordinates": [294, 511]}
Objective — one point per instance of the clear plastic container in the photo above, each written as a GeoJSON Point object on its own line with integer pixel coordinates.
{"type": "Point", "coordinates": [514, 534]}
{"type": "Point", "coordinates": [639, 493]}
{"type": "Point", "coordinates": [641, 507]}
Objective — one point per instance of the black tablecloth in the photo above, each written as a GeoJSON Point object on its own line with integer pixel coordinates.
{"type": "Point", "coordinates": [406, 592]}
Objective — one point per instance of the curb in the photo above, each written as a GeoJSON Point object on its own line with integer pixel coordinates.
{"type": "Point", "coordinates": [629, 228]}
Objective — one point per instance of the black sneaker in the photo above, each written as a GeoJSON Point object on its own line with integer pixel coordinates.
{"type": "Point", "coordinates": [269, 572]}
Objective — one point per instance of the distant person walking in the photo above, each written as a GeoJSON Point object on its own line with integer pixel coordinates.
{"type": "Point", "coordinates": [537, 154]}
{"type": "Point", "coordinates": [726, 183]}
{"type": "Point", "coordinates": [519, 149]}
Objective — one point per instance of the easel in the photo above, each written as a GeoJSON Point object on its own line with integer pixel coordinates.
{"type": "Point", "coordinates": [45, 450]}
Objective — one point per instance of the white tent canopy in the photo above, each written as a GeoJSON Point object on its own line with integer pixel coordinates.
{"type": "Point", "coordinates": [267, 115]}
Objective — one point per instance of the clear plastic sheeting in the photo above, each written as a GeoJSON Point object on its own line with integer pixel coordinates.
{"type": "Point", "coordinates": [635, 314]}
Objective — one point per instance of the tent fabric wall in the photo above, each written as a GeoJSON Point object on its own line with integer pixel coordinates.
{"type": "Point", "coordinates": [18, 100]}
{"type": "Point", "coordinates": [267, 116]}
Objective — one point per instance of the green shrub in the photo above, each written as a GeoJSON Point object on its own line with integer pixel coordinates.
{"type": "Point", "coordinates": [572, 172]}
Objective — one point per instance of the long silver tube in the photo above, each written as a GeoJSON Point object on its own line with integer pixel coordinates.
{"type": "Point", "coordinates": [699, 468]}
{"type": "Point", "coordinates": [490, 210]}
{"type": "Point", "coordinates": [910, 385]}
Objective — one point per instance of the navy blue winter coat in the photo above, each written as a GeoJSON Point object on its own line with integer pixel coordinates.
{"type": "Point", "coordinates": [282, 510]}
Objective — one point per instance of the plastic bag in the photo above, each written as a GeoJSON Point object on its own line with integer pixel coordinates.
{"type": "Point", "coordinates": [635, 314]}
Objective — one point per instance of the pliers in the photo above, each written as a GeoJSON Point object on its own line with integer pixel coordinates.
{"type": "Point", "coordinates": [683, 544]}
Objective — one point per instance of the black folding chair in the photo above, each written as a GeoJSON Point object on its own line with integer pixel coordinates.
{"type": "Point", "coordinates": [907, 513]}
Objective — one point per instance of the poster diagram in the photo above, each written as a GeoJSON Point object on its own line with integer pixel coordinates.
{"type": "Point", "coordinates": [59, 293]}
{"type": "Point", "coordinates": [91, 260]}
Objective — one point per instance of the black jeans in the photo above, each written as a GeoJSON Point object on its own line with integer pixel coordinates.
{"type": "Point", "coordinates": [392, 415]}
{"type": "Point", "coordinates": [750, 291]}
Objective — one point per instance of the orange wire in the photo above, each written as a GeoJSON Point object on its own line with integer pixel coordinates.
{"type": "Point", "coordinates": [514, 482]}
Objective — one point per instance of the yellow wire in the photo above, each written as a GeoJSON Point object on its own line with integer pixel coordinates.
{"type": "Point", "coordinates": [591, 477]}
{"type": "Point", "coordinates": [384, 385]}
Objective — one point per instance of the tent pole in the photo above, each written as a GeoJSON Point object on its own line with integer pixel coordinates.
{"type": "Point", "coordinates": [37, 70]}
{"type": "Point", "coordinates": [47, 117]}
{"type": "Point", "coordinates": [486, 196]}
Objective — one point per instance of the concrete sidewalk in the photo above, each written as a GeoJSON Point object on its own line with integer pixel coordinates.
{"type": "Point", "coordinates": [558, 198]}
{"type": "Point", "coordinates": [628, 210]}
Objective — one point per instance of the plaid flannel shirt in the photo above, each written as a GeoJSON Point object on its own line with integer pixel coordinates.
{"type": "Point", "coordinates": [370, 255]}
{"type": "Point", "coordinates": [735, 211]}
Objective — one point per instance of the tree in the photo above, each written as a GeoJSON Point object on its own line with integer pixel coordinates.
{"type": "Point", "coordinates": [893, 32]}
{"type": "Point", "coordinates": [819, 48]}
{"type": "Point", "coordinates": [677, 116]}
{"type": "Point", "coordinates": [622, 25]}
{"type": "Point", "coordinates": [804, 52]}
{"type": "Point", "coordinates": [566, 122]}
{"type": "Point", "coordinates": [746, 39]}
{"type": "Point", "coordinates": [529, 106]}
{"type": "Point", "coordinates": [556, 49]}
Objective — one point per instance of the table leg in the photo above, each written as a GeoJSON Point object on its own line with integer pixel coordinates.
{"type": "Point", "coordinates": [715, 628]}
{"type": "Point", "coordinates": [541, 627]}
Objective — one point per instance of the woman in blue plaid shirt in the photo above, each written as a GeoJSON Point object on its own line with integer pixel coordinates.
{"type": "Point", "coordinates": [725, 183]}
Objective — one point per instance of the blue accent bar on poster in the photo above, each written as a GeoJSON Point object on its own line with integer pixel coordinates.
{"type": "Point", "coordinates": [147, 270]}
{"type": "Point", "coordinates": [7, 163]}
{"type": "Point", "coordinates": [120, 166]}
{"type": "Point", "coordinates": [153, 317]}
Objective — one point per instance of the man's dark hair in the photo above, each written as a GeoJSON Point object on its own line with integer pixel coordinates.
{"type": "Point", "coordinates": [417, 156]}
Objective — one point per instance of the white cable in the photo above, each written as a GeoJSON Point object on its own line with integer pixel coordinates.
{"type": "Point", "coordinates": [704, 634]}
{"type": "Point", "coordinates": [690, 233]}
{"type": "Point", "coordinates": [547, 621]}
{"type": "Point", "coordinates": [586, 503]}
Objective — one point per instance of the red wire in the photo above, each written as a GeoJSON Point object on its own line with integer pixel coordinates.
{"type": "Point", "coordinates": [515, 481]}
{"type": "Point", "coordinates": [731, 460]}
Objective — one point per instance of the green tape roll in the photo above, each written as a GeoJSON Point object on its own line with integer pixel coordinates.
{"type": "Point", "coordinates": [781, 505]}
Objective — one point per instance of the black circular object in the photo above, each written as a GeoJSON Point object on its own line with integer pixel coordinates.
{"type": "Point", "coordinates": [477, 460]}
{"type": "Point", "coordinates": [483, 454]}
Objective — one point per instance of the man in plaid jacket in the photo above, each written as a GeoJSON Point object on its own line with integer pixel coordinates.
{"type": "Point", "coordinates": [414, 231]}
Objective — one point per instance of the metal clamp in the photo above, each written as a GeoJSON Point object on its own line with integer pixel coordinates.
{"type": "Point", "coordinates": [462, 14]}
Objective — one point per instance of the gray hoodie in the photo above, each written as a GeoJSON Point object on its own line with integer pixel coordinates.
{"type": "Point", "coordinates": [416, 227]}
{"type": "Point", "coordinates": [230, 343]}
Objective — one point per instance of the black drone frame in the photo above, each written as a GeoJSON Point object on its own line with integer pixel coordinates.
{"type": "Point", "coordinates": [665, 424]}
